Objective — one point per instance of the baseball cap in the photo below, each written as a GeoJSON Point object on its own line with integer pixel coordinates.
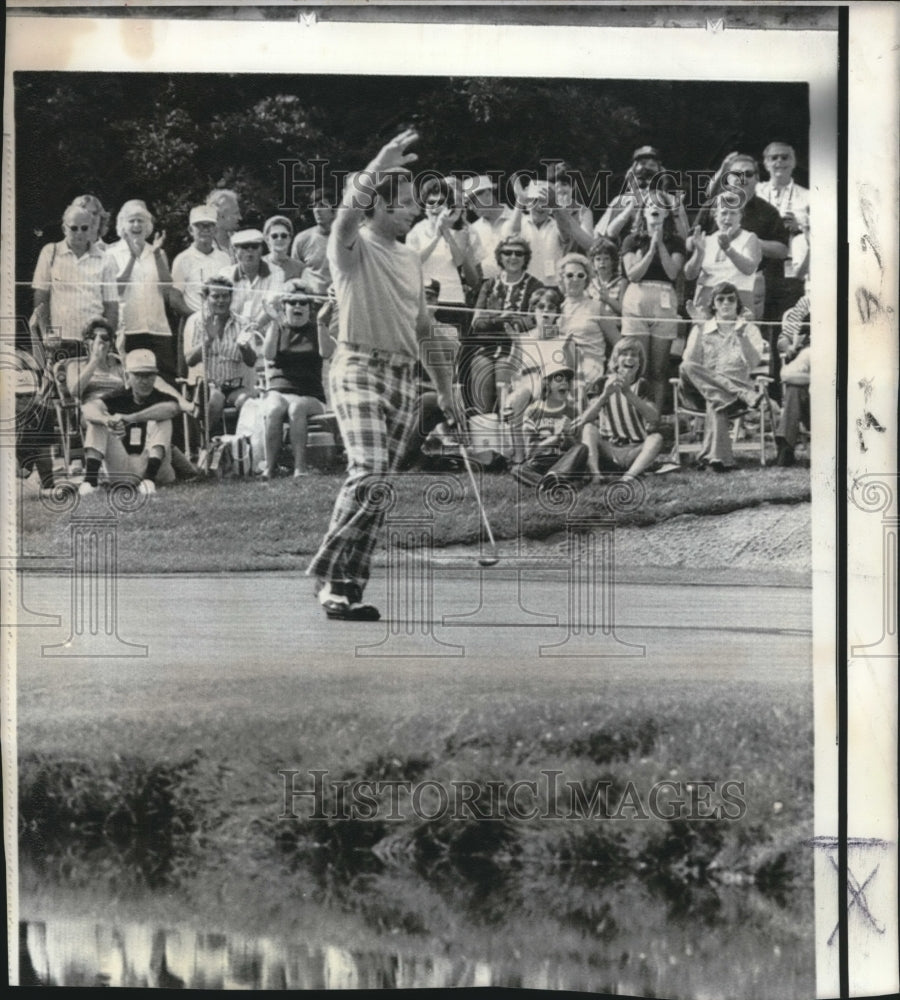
{"type": "Point", "coordinates": [247, 236]}
{"type": "Point", "coordinates": [650, 152]}
{"type": "Point", "coordinates": [433, 286]}
{"type": "Point", "coordinates": [140, 360]}
{"type": "Point", "coordinates": [203, 213]}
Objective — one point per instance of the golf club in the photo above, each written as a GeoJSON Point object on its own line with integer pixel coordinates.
{"type": "Point", "coordinates": [493, 558]}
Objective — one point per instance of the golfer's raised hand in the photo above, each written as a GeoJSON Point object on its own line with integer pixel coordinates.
{"type": "Point", "coordinates": [394, 154]}
{"type": "Point", "coordinates": [520, 188]}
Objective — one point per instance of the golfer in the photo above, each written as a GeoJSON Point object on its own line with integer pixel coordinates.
{"type": "Point", "coordinates": [372, 386]}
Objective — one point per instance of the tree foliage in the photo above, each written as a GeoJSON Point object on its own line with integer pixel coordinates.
{"type": "Point", "coordinates": [170, 138]}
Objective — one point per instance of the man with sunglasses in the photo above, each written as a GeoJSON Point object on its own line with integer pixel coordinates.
{"type": "Point", "coordinates": [74, 281]}
{"type": "Point", "coordinates": [310, 246]}
{"type": "Point", "coordinates": [383, 320]}
{"type": "Point", "coordinates": [257, 283]}
{"type": "Point", "coordinates": [792, 203]}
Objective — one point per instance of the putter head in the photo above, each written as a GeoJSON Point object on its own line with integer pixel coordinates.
{"type": "Point", "coordinates": [488, 560]}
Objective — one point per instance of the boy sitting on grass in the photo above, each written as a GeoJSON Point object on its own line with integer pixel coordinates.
{"type": "Point", "coordinates": [615, 424]}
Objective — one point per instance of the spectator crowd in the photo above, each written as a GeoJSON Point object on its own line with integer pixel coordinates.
{"type": "Point", "coordinates": [568, 329]}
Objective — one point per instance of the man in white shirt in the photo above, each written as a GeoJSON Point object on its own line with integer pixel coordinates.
{"type": "Point", "coordinates": [481, 196]}
{"type": "Point", "coordinates": [792, 202]}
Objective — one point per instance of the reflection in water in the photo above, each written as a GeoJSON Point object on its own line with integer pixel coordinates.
{"type": "Point", "coordinates": [755, 953]}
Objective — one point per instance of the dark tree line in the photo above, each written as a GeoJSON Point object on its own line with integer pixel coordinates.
{"type": "Point", "coordinates": [170, 138]}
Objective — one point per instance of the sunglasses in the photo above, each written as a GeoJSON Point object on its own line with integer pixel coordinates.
{"type": "Point", "coordinates": [561, 377]}
{"type": "Point", "coordinates": [98, 336]}
{"type": "Point", "coordinates": [744, 174]}
{"type": "Point", "coordinates": [79, 229]}
{"type": "Point", "coordinates": [296, 303]}
{"type": "Point", "coordinates": [250, 246]}
{"type": "Point", "coordinates": [574, 274]}
{"type": "Point", "coordinates": [279, 236]}
{"type": "Point", "coordinates": [725, 298]}
{"type": "Point", "coordinates": [435, 201]}
{"type": "Point", "coordinates": [512, 253]}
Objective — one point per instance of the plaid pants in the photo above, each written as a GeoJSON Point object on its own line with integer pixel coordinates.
{"type": "Point", "coordinates": [373, 394]}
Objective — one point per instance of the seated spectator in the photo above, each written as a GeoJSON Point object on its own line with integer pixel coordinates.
{"type": "Point", "coordinates": [144, 281]}
{"type": "Point", "coordinates": [74, 281]}
{"type": "Point", "coordinates": [607, 285]}
{"type": "Point", "coordinates": [532, 352]}
{"type": "Point", "coordinates": [257, 284]}
{"type": "Point", "coordinates": [130, 430]}
{"type": "Point", "coordinates": [492, 215]}
{"type": "Point", "coordinates": [218, 351]}
{"type": "Point", "coordinates": [294, 349]}
{"type": "Point", "coordinates": [310, 246]}
{"type": "Point", "coordinates": [228, 218]}
{"type": "Point", "coordinates": [792, 203]}
{"type": "Point", "coordinates": [729, 253]}
{"type": "Point", "coordinates": [795, 378]}
{"type": "Point", "coordinates": [716, 371]}
{"type": "Point", "coordinates": [447, 247]}
{"type": "Point", "coordinates": [653, 257]}
{"type": "Point", "coordinates": [277, 232]}
{"type": "Point", "coordinates": [501, 312]}
{"type": "Point", "coordinates": [101, 372]}
{"type": "Point", "coordinates": [581, 322]}
{"type": "Point", "coordinates": [548, 423]}
{"type": "Point", "coordinates": [618, 424]}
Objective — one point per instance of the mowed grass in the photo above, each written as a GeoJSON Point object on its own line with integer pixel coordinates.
{"type": "Point", "coordinates": [241, 525]}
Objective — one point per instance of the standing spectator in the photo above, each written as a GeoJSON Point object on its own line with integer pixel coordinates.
{"type": "Point", "coordinates": [448, 249]}
{"type": "Point", "coordinates": [492, 216]}
{"type": "Point", "coordinates": [74, 281]}
{"type": "Point", "coordinates": [645, 175]}
{"type": "Point", "coordinates": [131, 430]}
{"type": "Point", "coordinates": [501, 312]}
{"type": "Point", "coordinates": [718, 360]}
{"type": "Point", "coordinates": [533, 218]}
{"type": "Point", "coordinates": [294, 349]}
{"type": "Point", "coordinates": [730, 253]}
{"type": "Point", "coordinates": [143, 281]}
{"type": "Point", "coordinates": [382, 316]}
{"type": "Point", "coordinates": [218, 351]}
{"type": "Point", "coordinates": [652, 258]}
{"type": "Point", "coordinates": [581, 322]}
{"type": "Point", "coordinates": [277, 232]}
{"type": "Point", "coordinates": [92, 204]}
{"type": "Point", "coordinates": [761, 218]}
{"type": "Point", "coordinates": [228, 218]}
{"type": "Point", "coordinates": [191, 268]}
{"type": "Point", "coordinates": [256, 282]}
{"type": "Point", "coordinates": [792, 202]}
{"type": "Point", "coordinates": [202, 259]}
{"type": "Point", "coordinates": [310, 246]}
{"type": "Point", "coordinates": [580, 228]}
{"type": "Point", "coordinates": [607, 285]}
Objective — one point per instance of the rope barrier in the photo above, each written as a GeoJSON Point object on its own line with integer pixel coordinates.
{"type": "Point", "coordinates": [482, 312]}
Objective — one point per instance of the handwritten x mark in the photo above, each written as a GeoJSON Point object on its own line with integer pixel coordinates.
{"type": "Point", "coordinates": [857, 891]}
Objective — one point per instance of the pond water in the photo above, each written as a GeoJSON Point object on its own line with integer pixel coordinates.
{"type": "Point", "coordinates": [567, 930]}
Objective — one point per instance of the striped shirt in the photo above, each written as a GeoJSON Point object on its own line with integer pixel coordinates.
{"type": "Point", "coordinates": [78, 286]}
{"type": "Point", "coordinates": [619, 420]}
